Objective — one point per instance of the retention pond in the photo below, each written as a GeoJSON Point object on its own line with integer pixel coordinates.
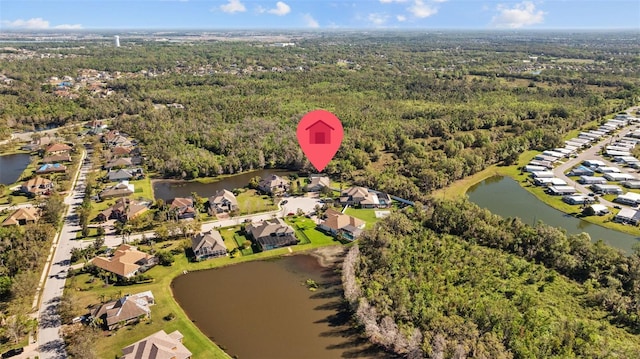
{"type": "Point", "coordinates": [265, 310]}
{"type": "Point", "coordinates": [505, 197]}
{"type": "Point", "coordinates": [12, 166]}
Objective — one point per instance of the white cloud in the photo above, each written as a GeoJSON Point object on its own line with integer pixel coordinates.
{"type": "Point", "coordinates": [310, 21]}
{"type": "Point", "coordinates": [378, 19]}
{"type": "Point", "coordinates": [391, 1]}
{"type": "Point", "coordinates": [523, 14]}
{"type": "Point", "coordinates": [422, 10]}
{"type": "Point", "coordinates": [33, 23]}
{"type": "Point", "coordinates": [37, 23]}
{"type": "Point", "coordinates": [233, 6]}
{"type": "Point", "coordinates": [401, 18]}
{"type": "Point", "coordinates": [280, 9]}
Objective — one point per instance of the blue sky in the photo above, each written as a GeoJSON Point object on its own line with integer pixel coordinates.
{"type": "Point", "coordinates": [322, 14]}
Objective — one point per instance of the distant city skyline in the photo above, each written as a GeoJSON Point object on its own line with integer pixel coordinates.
{"type": "Point", "coordinates": [318, 14]}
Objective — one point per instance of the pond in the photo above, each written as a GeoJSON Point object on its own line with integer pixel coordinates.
{"type": "Point", "coordinates": [505, 197]}
{"type": "Point", "coordinates": [169, 189]}
{"type": "Point", "coordinates": [263, 309]}
{"type": "Point", "coordinates": [12, 166]}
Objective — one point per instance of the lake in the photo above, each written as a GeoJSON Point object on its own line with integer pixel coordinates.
{"type": "Point", "coordinates": [170, 189]}
{"type": "Point", "coordinates": [12, 166]}
{"type": "Point", "coordinates": [263, 309]}
{"type": "Point", "coordinates": [505, 197]}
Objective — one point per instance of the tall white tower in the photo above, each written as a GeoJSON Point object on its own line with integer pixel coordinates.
{"type": "Point", "coordinates": [116, 40]}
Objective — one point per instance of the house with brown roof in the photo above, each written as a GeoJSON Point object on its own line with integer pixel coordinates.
{"type": "Point", "coordinates": [122, 189]}
{"type": "Point", "coordinates": [122, 162]}
{"type": "Point", "coordinates": [365, 198]}
{"type": "Point", "coordinates": [182, 208]}
{"type": "Point", "coordinates": [317, 183]}
{"type": "Point", "coordinates": [159, 345]}
{"type": "Point", "coordinates": [37, 186]}
{"type": "Point", "coordinates": [22, 216]}
{"type": "Point", "coordinates": [126, 261]}
{"type": "Point", "coordinates": [126, 310]}
{"type": "Point", "coordinates": [120, 151]}
{"type": "Point", "coordinates": [271, 233]}
{"type": "Point", "coordinates": [63, 157]}
{"type": "Point", "coordinates": [341, 225]}
{"type": "Point", "coordinates": [123, 210]}
{"type": "Point", "coordinates": [208, 245]}
{"type": "Point", "coordinates": [57, 148]}
{"type": "Point", "coordinates": [274, 185]}
{"type": "Point", "coordinates": [223, 201]}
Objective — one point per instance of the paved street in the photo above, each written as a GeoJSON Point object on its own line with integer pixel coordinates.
{"type": "Point", "coordinates": [50, 343]}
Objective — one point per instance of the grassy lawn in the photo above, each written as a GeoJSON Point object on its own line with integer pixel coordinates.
{"type": "Point", "coordinates": [143, 188]}
{"type": "Point", "coordinates": [306, 231]}
{"type": "Point", "coordinates": [250, 201]}
{"type": "Point", "coordinates": [93, 232]}
{"type": "Point", "coordinates": [367, 215]}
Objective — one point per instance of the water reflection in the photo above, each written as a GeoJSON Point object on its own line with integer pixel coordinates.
{"type": "Point", "coordinates": [12, 166]}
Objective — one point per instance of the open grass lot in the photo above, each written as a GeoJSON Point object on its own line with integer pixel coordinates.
{"type": "Point", "coordinates": [367, 215]}
{"type": "Point", "coordinates": [87, 291]}
{"type": "Point", "coordinates": [250, 202]}
{"type": "Point", "coordinates": [143, 189]}
{"type": "Point", "coordinates": [307, 232]}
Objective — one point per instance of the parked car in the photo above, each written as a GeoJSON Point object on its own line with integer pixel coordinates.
{"type": "Point", "coordinates": [12, 352]}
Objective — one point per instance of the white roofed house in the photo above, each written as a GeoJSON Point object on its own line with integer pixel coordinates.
{"type": "Point", "coordinates": [617, 177]}
{"type": "Point", "coordinates": [542, 174]}
{"type": "Point", "coordinates": [608, 169]}
{"type": "Point", "coordinates": [593, 163]}
{"type": "Point", "coordinates": [599, 209]}
{"type": "Point", "coordinates": [631, 184]}
{"type": "Point", "coordinates": [606, 189]}
{"type": "Point", "coordinates": [627, 215]}
{"type": "Point", "coordinates": [561, 190]}
{"type": "Point", "coordinates": [549, 182]}
{"type": "Point", "coordinates": [577, 199]}
{"type": "Point", "coordinates": [629, 198]}
{"type": "Point", "coordinates": [534, 168]}
{"type": "Point", "coordinates": [592, 180]}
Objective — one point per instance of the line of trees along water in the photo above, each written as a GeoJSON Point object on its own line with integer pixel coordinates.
{"type": "Point", "coordinates": [453, 281]}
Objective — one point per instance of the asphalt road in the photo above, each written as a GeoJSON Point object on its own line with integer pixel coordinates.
{"type": "Point", "coordinates": [50, 343]}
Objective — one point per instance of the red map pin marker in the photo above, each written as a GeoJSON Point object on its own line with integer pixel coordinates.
{"type": "Point", "coordinates": [319, 135]}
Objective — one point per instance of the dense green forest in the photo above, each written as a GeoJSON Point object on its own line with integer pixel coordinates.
{"type": "Point", "coordinates": [455, 281]}
{"type": "Point", "coordinates": [23, 252]}
{"type": "Point", "coordinates": [419, 110]}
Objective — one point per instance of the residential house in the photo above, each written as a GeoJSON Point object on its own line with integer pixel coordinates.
{"type": "Point", "coordinates": [120, 151]}
{"type": "Point", "coordinates": [183, 208]}
{"type": "Point", "coordinates": [577, 199]}
{"type": "Point", "coordinates": [542, 174]}
{"type": "Point", "coordinates": [126, 310]}
{"type": "Point", "coordinates": [223, 201]}
{"type": "Point", "coordinates": [63, 157]}
{"type": "Point", "coordinates": [631, 184]}
{"type": "Point", "coordinates": [629, 198]}
{"type": "Point", "coordinates": [22, 216]}
{"type": "Point", "coordinates": [342, 225]}
{"type": "Point", "coordinates": [208, 245]}
{"type": "Point", "coordinates": [317, 183]}
{"type": "Point", "coordinates": [125, 174]}
{"type": "Point", "coordinates": [592, 180]}
{"type": "Point", "coordinates": [549, 182]}
{"type": "Point", "coordinates": [122, 162]}
{"type": "Point", "coordinates": [608, 169]}
{"type": "Point", "coordinates": [593, 163]}
{"type": "Point", "coordinates": [618, 177]}
{"type": "Point", "coordinates": [123, 210]}
{"type": "Point", "coordinates": [159, 345]}
{"type": "Point", "coordinates": [533, 168]}
{"type": "Point", "coordinates": [110, 136]}
{"type": "Point", "coordinates": [51, 168]}
{"type": "Point", "coordinates": [560, 190]}
{"type": "Point", "coordinates": [365, 198]}
{"type": "Point", "coordinates": [274, 185]}
{"type": "Point", "coordinates": [126, 262]}
{"type": "Point", "coordinates": [599, 209]}
{"type": "Point", "coordinates": [37, 186]}
{"type": "Point", "coordinates": [122, 189]}
{"type": "Point", "coordinates": [628, 215]}
{"type": "Point", "coordinates": [606, 189]}
{"type": "Point", "coordinates": [57, 149]}
{"type": "Point", "coordinates": [272, 233]}
{"type": "Point", "coordinates": [581, 171]}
